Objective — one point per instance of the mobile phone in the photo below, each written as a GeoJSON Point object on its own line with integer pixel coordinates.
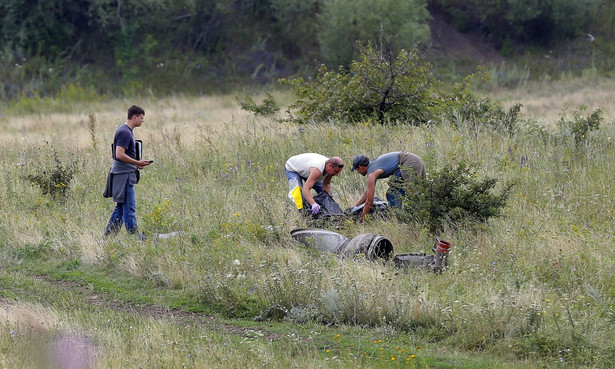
{"type": "Point", "coordinates": [151, 161]}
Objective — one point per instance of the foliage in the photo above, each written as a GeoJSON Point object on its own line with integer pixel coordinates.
{"type": "Point", "coordinates": [581, 126]}
{"type": "Point", "coordinates": [449, 196]}
{"type": "Point", "coordinates": [379, 86]}
{"type": "Point", "coordinates": [462, 105]}
{"type": "Point", "coordinates": [54, 181]}
{"type": "Point", "coordinates": [393, 89]}
{"type": "Point", "coordinates": [160, 218]}
{"type": "Point", "coordinates": [346, 22]}
{"type": "Point", "coordinates": [162, 46]}
{"type": "Point", "coordinates": [532, 288]}
{"type": "Point", "coordinates": [268, 108]}
{"type": "Point", "coordinates": [541, 22]}
{"type": "Point", "coordinates": [296, 24]}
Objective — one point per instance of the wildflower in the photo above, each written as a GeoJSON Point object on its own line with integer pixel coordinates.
{"type": "Point", "coordinates": [378, 341]}
{"type": "Point", "coordinates": [337, 336]}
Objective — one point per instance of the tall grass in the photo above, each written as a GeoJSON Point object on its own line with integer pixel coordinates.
{"type": "Point", "coordinates": [535, 285]}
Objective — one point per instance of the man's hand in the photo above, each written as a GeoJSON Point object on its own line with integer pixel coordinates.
{"type": "Point", "coordinates": [315, 208]}
{"type": "Point", "coordinates": [143, 163]}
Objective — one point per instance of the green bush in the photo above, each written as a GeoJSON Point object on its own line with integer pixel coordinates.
{"type": "Point", "coordinates": [462, 105]}
{"type": "Point", "coordinates": [379, 86]}
{"type": "Point", "coordinates": [268, 108]}
{"type": "Point", "coordinates": [452, 196]}
{"type": "Point", "coordinates": [391, 89]}
{"type": "Point", "coordinates": [54, 181]}
{"type": "Point", "coordinates": [581, 126]}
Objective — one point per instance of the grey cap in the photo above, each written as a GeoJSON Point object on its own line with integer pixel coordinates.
{"type": "Point", "coordinates": [359, 161]}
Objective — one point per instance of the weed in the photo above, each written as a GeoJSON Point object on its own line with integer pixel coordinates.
{"type": "Point", "coordinates": [267, 109]}
{"type": "Point", "coordinates": [92, 129]}
{"type": "Point", "coordinates": [54, 181]}
{"type": "Point", "coordinates": [581, 126]}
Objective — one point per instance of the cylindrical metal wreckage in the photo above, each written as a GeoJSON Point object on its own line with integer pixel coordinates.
{"type": "Point", "coordinates": [373, 246]}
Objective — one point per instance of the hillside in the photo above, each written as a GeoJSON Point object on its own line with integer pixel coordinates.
{"type": "Point", "coordinates": [448, 43]}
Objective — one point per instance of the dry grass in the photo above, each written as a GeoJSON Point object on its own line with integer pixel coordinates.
{"type": "Point", "coordinates": [547, 101]}
{"type": "Point", "coordinates": [218, 178]}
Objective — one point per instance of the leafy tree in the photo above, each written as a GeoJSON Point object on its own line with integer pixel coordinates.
{"type": "Point", "coordinates": [395, 88]}
{"type": "Point", "coordinates": [344, 22]}
{"type": "Point", "coordinates": [379, 86]}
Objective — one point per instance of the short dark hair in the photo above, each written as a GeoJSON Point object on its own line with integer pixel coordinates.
{"type": "Point", "coordinates": [135, 110]}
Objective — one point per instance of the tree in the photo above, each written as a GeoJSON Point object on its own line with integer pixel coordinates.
{"type": "Point", "coordinates": [344, 22]}
{"type": "Point", "coordinates": [380, 86]}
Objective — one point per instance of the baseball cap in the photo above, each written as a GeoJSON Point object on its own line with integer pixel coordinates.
{"type": "Point", "coordinates": [359, 161]}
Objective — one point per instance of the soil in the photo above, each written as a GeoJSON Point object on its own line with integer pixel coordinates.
{"type": "Point", "coordinates": [448, 43]}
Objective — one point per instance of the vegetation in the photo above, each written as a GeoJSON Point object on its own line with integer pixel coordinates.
{"type": "Point", "coordinates": [267, 108]}
{"type": "Point", "coordinates": [54, 181]}
{"type": "Point", "coordinates": [398, 89]}
{"type": "Point", "coordinates": [452, 197]}
{"type": "Point", "coordinates": [160, 47]}
{"type": "Point", "coordinates": [581, 127]}
{"type": "Point", "coordinates": [345, 22]}
{"type": "Point", "coordinates": [220, 273]}
{"type": "Point", "coordinates": [219, 281]}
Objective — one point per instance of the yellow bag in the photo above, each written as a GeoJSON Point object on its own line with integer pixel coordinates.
{"type": "Point", "coordinates": [295, 195]}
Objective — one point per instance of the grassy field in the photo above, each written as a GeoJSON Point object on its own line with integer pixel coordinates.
{"type": "Point", "coordinates": [534, 288]}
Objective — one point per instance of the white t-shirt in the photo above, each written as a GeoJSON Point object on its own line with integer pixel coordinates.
{"type": "Point", "coordinates": [302, 163]}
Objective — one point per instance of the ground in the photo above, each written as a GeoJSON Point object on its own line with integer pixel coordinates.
{"type": "Point", "coordinates": [447, 42]}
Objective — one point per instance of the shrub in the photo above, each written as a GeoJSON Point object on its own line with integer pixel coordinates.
{"type": "Point", "coordinates": [463, 105]}
{"type": "Point", "coordinates": [268, 108]}
{"type": "Point", "coordinates": [379, 86]}
{"type": "Point", "coordinates": [54, 181]}
{"type": "Point", "coordinates": [580, 127]}
{"type": "Point", "coordinates": [388, 88]}
{"type": "Point", "coordinates": [452, 195]}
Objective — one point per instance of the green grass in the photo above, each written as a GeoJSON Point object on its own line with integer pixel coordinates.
{"type": "Point", "coordinates": [533, 288]}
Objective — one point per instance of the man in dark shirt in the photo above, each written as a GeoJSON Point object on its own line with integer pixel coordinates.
{"type": "Point", "coordinates": [405, 166]}
{"type": "Point", "coordinates": [124, 174]}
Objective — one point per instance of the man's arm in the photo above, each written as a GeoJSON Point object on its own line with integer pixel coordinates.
{"type": "Point", "coordinates": [309, 184]}
{"type": "Point", "coordinates": [120, 154]}
{"type": "Point", "coordinates": [326, 184]}
{"type": "Point", "coordinates": [369, 193]}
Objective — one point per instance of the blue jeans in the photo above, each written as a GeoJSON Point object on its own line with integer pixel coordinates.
{"type": "Point", "coordinates": [294, 180]}
{"type": "Point", "coordinates": [396, 193]}
{"type": "Point", "coordinates": [124, 213]}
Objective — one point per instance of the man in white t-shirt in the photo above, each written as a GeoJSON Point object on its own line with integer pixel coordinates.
{"type": "Point", "coordinates": [315, 171]}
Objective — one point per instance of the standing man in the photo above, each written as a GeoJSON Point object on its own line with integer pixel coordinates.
{"type": "Point", "coordinates": [124, 174]}
{"type": "Point", "coordinates": [405, 166]}
{"type": "Point", "coordinates": [316, 171]}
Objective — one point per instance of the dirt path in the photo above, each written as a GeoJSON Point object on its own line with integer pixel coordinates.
{"type": "Point", "coordinates": [106, 301]}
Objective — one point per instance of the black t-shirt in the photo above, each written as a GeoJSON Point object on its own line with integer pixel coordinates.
{"type": "Point", "coordinates": [125, 138]}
